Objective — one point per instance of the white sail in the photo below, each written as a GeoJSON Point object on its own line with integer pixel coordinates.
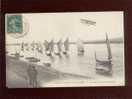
{"type": "Point", "coordinates": [32, 45]}
{"type": "Point", "coordinates": [59, 45]}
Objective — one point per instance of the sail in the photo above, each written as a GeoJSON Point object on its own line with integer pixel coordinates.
{"type": "Point", "coordinates": [80, 46]}
{"type": "Point", "coordinates": [108, 47]}
{"type": "Point", "coordinates": [39, 48]}
{"type": "Point", "coordinates": [59, 45]}
{"type": "Point", "coordinates": [51, 44]}
{"type": "Point", "coordinates": [22, 46]}
{"type": "Point", "coordinates": [46, 44]}
{"type": "Point", "coordinates": [66, 44]}
{"type": "Point", "coordinates": [27, 46]}
{"type": "Point", "coordinates": [33, 46]}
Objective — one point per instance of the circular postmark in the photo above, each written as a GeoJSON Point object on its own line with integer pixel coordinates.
{"type": "Point", "coordinates": [16, 25]}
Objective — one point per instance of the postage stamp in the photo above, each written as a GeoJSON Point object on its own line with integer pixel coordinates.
{"type": "Point", "coordinates": [14, 24]}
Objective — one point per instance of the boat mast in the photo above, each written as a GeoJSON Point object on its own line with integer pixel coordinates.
{"type": "Point", "coordinates": [108, 47]}
{"type": "Point", "coordinates": [95, 55]}
{"type": "Point", "coordinates": [59, 44]}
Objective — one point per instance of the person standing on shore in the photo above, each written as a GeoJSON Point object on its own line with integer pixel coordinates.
{"type": "Point", "coordinates": [32, 75]}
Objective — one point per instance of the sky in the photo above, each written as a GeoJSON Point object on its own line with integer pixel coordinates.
{"type": "Point", "coordinates": [47, 26]}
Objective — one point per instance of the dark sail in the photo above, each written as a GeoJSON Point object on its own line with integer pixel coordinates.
{"type": "Point", "coordinates": [66, 44]}
{"type": "Point", "coordinates": [22, 46]}
{"type": "Point", "coordinates": [108, 47]}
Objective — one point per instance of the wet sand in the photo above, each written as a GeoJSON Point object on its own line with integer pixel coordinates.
{"type": "Point", "coordinates": [17, 77]}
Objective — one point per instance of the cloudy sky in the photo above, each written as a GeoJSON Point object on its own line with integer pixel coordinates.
{"type": "Point", "coordinates": [45, 26]}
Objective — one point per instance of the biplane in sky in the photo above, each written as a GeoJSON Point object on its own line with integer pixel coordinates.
{"type": "Point", "coordinates": [88, 22]}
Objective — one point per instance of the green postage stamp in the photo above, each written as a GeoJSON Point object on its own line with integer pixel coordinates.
{"type": "Point", "coordinates": [14, 24]}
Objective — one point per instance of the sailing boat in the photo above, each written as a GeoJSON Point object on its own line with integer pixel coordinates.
{"type": "Point", "coordinates": [80, 47]}
{"type": "Point", "coordinates": [40, 48]}
{"type": "Point", "coordinates": [47, 48]}
{"type": "Point", "coordinates": [22, 46]}
{"type": "Point", "coordinates": [30, 58]}
{"type": "Point", "coordinates": [105, 66]}
{"type": "Point", "coordinates": [66, 46]}
{"type": "Point", "coordinates": [27, 47]}
{"type": "Point", "coordinates": [51, 47]}
{"type": "Point", "coordinates": [59, 46]}
{"type": "Point", "coordinates": [32, 45]}
{"type": "Point", "coordinates": [17, 55]}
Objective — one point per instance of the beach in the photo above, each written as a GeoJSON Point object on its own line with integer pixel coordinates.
{"type": "Point", "coordinates": [19, 77]}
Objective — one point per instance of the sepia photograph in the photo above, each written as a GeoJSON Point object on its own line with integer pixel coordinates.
{"type": "Point", "coordinates": [65, 49]}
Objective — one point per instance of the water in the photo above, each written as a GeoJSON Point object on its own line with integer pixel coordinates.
{"type": "Point", "coordinates": [82, 65]}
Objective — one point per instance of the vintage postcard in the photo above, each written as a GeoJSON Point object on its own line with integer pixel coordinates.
{"type": "Point", "coordinates": [67, 49]}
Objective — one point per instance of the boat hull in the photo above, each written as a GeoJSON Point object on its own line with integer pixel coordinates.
{"type": "Point", "coordinates": [103, 72]}
{"type": "Point", "coordinates": [104, 67]}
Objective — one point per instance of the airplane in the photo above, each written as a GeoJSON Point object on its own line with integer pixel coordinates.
{"type": "Point", "coordinates": [89, 22]}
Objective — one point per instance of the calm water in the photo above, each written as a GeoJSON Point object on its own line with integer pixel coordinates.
{"type": "Point", "coordinates": [83, 65]}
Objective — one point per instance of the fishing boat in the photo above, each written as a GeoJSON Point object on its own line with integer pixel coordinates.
{"type": "Point", "coordinates": [47, 64]}
{"type": "Point", "coordinates": [50, 48]}
{"type": "Point", "coordinates": [80, 47]}
{"type": "Point", "coordinates": [33, 46]}
{"type": "Point", "coordinates": [32, 59]}
{"type": "Point", "coordinates": [47, 48]}
{"type": "Point", "coordinates": [22, 46]}
{"type": "Point", "coordinates": [40, 48]}
{"type": "Point", "coordinates": [66, 46]}
{"type": "Point", "coordinates": [27, 47]}
{"type": "Point", "coordinates": [17, 55]}
{"type": "Point", "coordinates": [105, 66]}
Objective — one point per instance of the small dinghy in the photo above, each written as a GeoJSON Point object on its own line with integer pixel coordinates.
{"type": "Point", "coordinates": [32, 59]}
{"type": "Point", "coordinates": [47, 64]}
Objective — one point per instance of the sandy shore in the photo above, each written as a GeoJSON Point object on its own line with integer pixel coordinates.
{"type": "Point", "coordinates": [16, 73]}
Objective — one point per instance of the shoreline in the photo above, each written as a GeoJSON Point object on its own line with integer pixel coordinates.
{"type": "Point", "coordinates": [18, 68]}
